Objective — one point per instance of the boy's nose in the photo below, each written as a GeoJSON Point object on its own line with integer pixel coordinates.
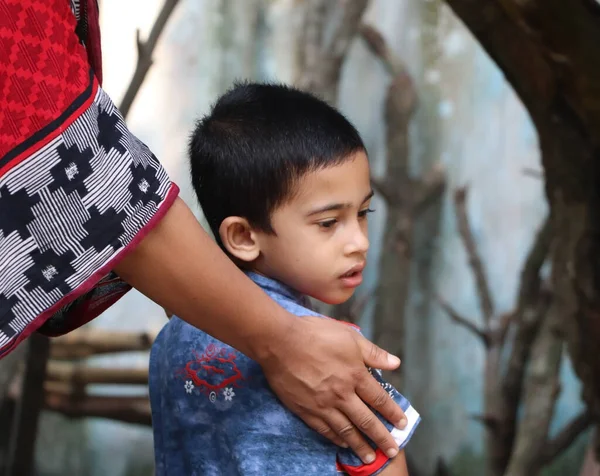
{"type": "Point", "coordinates": [358, 244]}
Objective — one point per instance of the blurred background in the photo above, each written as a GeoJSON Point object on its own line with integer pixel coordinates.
{"type": "Point", "coordinates": [457, 281]}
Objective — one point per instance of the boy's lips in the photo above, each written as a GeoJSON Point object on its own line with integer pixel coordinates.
{"type": "Point", "coordinates": [353, 277]}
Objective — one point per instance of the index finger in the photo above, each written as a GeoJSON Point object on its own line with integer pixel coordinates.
{"type": "Point", "coordinates": [369, 390]}
{"type": "Point", "coordinates": [368, 424]}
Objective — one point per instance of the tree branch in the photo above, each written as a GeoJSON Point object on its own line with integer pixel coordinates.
{"type": "Point", "coordinates": [539, 397]}
{"type": "Point", "coordinates": [387, 190]}
{"type": "Point", "coordinates": [464, 228]}
{"type": "Point", "coordinates": [329, 28]}
{"type": "Point", "coordinates": [464, 322]}
{"type": "Point", "coordinates": [429, 189]}
{"type": "Point", "coordinates": [532, 305]}
{"type": "Point", "coordinates": [346, 28]}
{"type": "Point", "coordinates": [490, 422]}
{"type": "Point", "coordinates": [542, 62]}
{"type": "Point", "coordinates": [378, 46]}
{"type": "Point", "coordinates": [398, 190]}
{"type": "Point", "coordinates": [566, 437]}
{"type": "Point", "coordinates": [145, 50]}
{"type": "Point", "coordinates": [530, 274]}
{"type": "Point", "coordinates": [511, 46]}
{"type": "Point", "coordinates": [312, 41]}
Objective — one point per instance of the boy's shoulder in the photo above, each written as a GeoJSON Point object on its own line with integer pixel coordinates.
{"type": "Point", "coordinates": [291, 300]}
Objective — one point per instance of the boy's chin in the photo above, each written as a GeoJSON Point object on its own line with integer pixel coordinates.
{"type": "Point", "coordinates": [336, 298]}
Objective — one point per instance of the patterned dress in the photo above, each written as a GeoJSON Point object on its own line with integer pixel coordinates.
{"type": "Point", "coordinates": [77, 189]}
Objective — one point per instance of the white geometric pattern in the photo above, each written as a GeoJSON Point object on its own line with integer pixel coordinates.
{"type": "Point", "coordinates": [35, 173]}
{"type": "Point", "coordinates": [15, 258]}
{"type": "Point", "coordinates": [58, 222]}
{"type": "Point", "coordinates": [69, 208]}
{"type": "Point", "coordinates": [75, 7]}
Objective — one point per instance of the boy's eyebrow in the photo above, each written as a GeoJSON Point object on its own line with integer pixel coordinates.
{"type": "Point", "coordinates": [338, 206]}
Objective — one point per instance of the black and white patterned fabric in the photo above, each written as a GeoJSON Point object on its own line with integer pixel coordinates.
{"type": "Point", "coordinates": [69, 209]}
{"type": "Point", "coordinates": [76, 7]}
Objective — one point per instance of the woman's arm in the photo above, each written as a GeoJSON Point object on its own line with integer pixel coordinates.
{"type": "Point", "coordinates": [74, 180]}
{"type": "Point", "coordinates": [316, 366]}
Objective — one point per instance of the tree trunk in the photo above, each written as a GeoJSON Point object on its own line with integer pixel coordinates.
{"type": "Point", "coordinates": [549, 53]}
{"type": "Point", "coordinates": [329, 28]}
{"type": "Point", "coordinates": [405, 196]}
{"type": "Point", "coordinates": [503, 389]}
{"type": "Point", "coordinates": [539, 398]}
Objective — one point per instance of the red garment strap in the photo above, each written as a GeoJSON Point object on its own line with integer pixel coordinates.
{"type": "Point", "coordinates": [92, 42]}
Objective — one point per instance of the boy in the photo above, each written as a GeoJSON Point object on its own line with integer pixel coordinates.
{"type": "Point", "coordinates": [284, 183]}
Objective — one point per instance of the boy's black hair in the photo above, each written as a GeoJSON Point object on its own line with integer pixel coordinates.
{"type": "Point", "coordinates": [256, 143]}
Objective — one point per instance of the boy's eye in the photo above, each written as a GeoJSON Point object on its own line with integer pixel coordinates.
{"type": "Point", "coordinates": [365, 212]}
{"type": "Point", "coordinates": [327, 223]}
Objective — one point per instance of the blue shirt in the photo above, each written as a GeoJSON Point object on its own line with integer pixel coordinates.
{"type": "Point", "coordinates": [213, 412]}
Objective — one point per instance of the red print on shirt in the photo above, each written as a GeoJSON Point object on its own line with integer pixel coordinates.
{"type": "Point", "coordinates": [212, 370]}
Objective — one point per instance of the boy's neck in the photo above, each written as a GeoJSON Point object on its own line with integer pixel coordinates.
{"type": "Point", "coordinates": [274, 284]}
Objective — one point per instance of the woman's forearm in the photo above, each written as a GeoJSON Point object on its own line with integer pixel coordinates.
{"type": "Point", "coordinates": [181, 268]}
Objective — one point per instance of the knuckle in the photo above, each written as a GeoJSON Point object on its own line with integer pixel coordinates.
{"type": "Point", "coordinates": [341, 392]}
{"type": "Point", "coordinates": [346, 431]}
{"type": "Point", "coordinates": [380, 400]}
{"type": "Point", "coordinates": [324, 430]}
{"type": "Point", "coordinates": [359, 375]}
{"type": "Point", "coordinates": [366, 423]}
{"type": "Point", "coordinates": [330, 399]}
{"type": "Point", "coordinates": [323, 400]}
{"type": "Point", "coordinates": [375, 351]}
{"type": "Point", "coordinates": [361, 448]}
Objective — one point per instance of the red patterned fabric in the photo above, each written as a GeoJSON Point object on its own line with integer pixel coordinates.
{"type": "Point", "coordinates": [78, 190]}
{"type": "Point", "coordinates": [43, 68]}
{"type": "Point", "coordinates": [92, 39]}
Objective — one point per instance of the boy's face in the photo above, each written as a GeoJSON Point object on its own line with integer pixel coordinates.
{"type": "Point", "coordinates": [320, 243]}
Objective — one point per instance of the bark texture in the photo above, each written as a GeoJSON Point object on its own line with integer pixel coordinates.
{"type": "Point", "coordinates": [548, 52]}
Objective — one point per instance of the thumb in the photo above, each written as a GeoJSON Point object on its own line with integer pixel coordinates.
{"type": "Point", "coordinates": [376, 357]}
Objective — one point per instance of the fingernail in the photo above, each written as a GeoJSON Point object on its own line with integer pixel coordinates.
{"type": "Point", "coordinates": [393, 360]}
{"type": "Point", "coordinates": [343, 444]}
{"type": "Point", "coordinates": [392, 452]}
{"type": "Point", "coordinates": [402, 423]}
{"type": "Point", "coordinates": [370, 458]}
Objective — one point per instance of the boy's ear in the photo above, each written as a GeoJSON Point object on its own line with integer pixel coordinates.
{"type": "Point", "coordinates": [239, 239]}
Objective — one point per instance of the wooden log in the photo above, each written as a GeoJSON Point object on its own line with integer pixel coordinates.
{"type": "Point", "coordinates": [127, 409]}
{"type": "Point", "coordinates": [82, 344]}
{"type": "Point", "coordinates": [81, 375]}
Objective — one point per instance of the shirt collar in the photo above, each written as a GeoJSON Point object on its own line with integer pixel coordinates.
{"type": "Point", "coordinates": [274, 287]}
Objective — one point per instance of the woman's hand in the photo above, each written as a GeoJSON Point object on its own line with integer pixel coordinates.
{"type": "Point", "coordinates": [318, 371]}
